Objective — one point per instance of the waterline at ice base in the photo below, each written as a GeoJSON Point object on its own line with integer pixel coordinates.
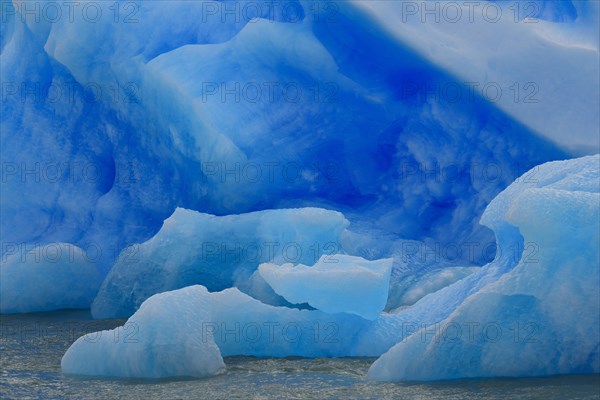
{"type": "Point", "coordinates": [410, 186]}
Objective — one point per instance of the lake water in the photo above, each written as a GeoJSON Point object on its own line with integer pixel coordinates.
{"type": "Point", "coordinates": [31, 346]}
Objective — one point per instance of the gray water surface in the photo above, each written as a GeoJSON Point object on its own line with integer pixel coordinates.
{"type": "Point", "coordinates": [31, 346]}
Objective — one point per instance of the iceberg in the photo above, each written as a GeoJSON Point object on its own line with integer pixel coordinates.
{"type": "Point", "coordinates": [406, 288]}
{"type": "Point", "coordinates": [534, 310]}
{"type": "Point", "coordinates": [50, 277]}
{"type": "Point", "coordinates": [192, 152]}
{"type": "Point", "coordinates": [164, 338]}
{"type": "Point", "coordinates": [101, 143]}
{"type": "Point", "coordinates": [336, 283]}
{"type": "Point", "coordinates": [542, 317]}
{"type": "Point", "coordinates": [216, 252]}
{"type": "Point", "coordinates": [186, 332]}
{"type": "Point", "coordinates": [417, 269]}
{"type": "Point", "coordinates": [514, 73]}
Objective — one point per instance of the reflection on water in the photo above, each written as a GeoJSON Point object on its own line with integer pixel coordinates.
{"type": "Point", "coordinates": [31, 346]}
